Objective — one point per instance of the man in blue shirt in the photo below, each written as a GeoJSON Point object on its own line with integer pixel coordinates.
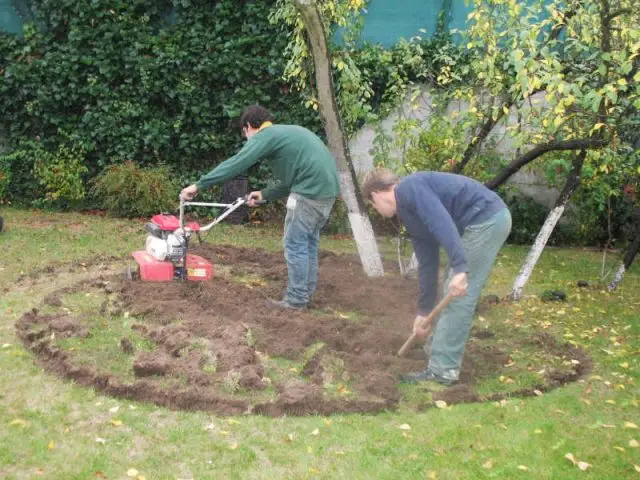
{"type": "Point", "coordinates": [471, 223]}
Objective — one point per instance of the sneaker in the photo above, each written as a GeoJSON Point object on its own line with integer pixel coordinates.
{"type": "Point", "coordinates": [426, 376]}
{"type": "Point", "coordinates": [284, 304]}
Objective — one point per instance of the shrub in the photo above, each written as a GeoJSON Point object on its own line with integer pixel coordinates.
{"type": "Point", "coordinates": [127, 190]}
{"type": "Point", "coordinates": [61, 174]}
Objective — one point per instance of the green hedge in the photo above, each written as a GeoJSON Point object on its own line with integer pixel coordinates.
{"type": "Point", "coordinates": [122, 82]}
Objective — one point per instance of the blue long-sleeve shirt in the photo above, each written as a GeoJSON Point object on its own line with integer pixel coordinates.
{"type": "Point", "coordinates": [435, 208]}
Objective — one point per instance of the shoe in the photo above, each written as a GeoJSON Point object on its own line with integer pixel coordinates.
{"type": "Point", "coordinates": [284, 304]}
{"type": "Point", "coordinates": [426, 376]}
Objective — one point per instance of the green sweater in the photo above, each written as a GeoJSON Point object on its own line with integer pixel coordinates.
{"type": "Point", "coordinates": [298, 159]}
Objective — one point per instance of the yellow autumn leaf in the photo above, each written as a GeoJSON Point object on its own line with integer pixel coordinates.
{"type": "Point", "coordinates": [583, 466]}
{"type": "Point", "coordinates": [624, 364]}
{"type": "Point", "coordinates": [116, 423]}
{"type": "Point", "coordinates": [328, 422]}
{"type": "Point", "coordinates": [19, 422]}
{"type": "Point", "coordinates": [524, 468]}
{"type": "Point", "coordinates": [51, 445]}
{"type": "Point", "coordinates": [633, 443]}
{"type": "Point", "coordinates": [141, 477]}
{"type": "Point", "coordinates": [488, 464]}
{"type": "Point", "coordinates": [132, 472]}
{"type": "Point", "coordinates": [233, 446]}
{"type": "Point", "coordinates": [619, 448]}
{"type": "Point", "coordinates": [315, 431]}
{"type": "Point", "coordinates": [441, 404]}
{"type": "Point", "coordinates": [630, 425]}
{"type": "Point", "coordinates": [405, 426]}
{"type": "Point", "coordinates": [432, 475]}
{"type": "Point", "coordinates": [537, 431]}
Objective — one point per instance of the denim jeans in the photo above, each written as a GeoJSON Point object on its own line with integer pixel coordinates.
{"type": "Point", "coordinates": [481, 244]}
{"type": "Point", "coordinates": [305, 218]}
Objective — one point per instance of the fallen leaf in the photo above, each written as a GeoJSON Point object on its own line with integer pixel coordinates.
{"type": "Point", "coordinates": [51, 445]}
{"type": "Point", "coordinates": [99, 474]}
{"type": "Point", "coordinates": [19, 422]}
{"type": "Point", "coordinates": [114, 409]}
{"type": "Point", "coordinates": [633, 443]}
{"type": "Point", "coordinates": [338, 452]}
{"type": "Point", "coordinates": [488, 464]}
{"type": "Point", "coordinates": [328, 422]}
{"type": "Point", "coordinates": [524, 468]}
{"type": "Point", "coordinates": [630, 425]}
{"type": "Point", "coordinates": [315, 432]}
{"type": "Point", "coordinates": [636, 468]}
{"type": "Point", "coordinates": [405, 426]}
{"type": "Point", "coordinates": [583, 466]}
{"type": "Point", "coordinates": [624, 364]}
{"type": "Point", "coordinates": [538, 393]}
{"type": "Point", "coordinates": [132, 472]}
{"type": "Point", "coordinates": [116, 423]}
{"type": "Point", "coordinates": [233, 446]}
{"type": "Point", "coordinates": [100, 440]}
{"type": "Point", "coordinates": [610, 402]}
{"type": "Point", "coordinates": [432, 475]}
{"type": "Point", "coordinates": [619, 448]}
{"type": "Point", "coordinates": [441, 404]}
{"type": "Point", "coordinates": [537, 431]}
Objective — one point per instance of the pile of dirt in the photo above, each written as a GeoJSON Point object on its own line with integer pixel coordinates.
{"type": "Point", "coordinates": [215, 342]}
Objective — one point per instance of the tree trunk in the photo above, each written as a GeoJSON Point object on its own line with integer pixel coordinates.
{"type": "Point", "coordinates": [572, 183]}
{"type": "Point", "coordinates": [629, 256]}
{"type": "Point", "coordinates": [358, 218]}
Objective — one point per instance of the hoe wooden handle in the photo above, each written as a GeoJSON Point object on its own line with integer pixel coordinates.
{"type": "Point", "coordinates": [426, 323]}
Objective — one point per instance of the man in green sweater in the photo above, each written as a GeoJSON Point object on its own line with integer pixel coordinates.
{"type": "Point", "coordinates": [306, 172]}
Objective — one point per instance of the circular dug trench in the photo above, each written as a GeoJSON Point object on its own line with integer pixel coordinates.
{"type": "Point", "coordinates": [217, 346]}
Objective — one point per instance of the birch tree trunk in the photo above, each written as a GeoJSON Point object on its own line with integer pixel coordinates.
{"type": "Point", "coordinates": [358, 218]}
{"type": "Point", "coordinates": [572, 183]}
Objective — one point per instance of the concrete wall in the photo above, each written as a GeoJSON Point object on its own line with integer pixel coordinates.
{"type": "Point", "coordinates": [529, 182]}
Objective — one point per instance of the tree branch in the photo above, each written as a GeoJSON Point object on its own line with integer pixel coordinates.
{"type": "Point", "coordinates": [538, 150]}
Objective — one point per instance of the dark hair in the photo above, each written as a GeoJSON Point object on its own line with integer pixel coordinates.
{"type": "Point", "coordinates": [255, 115]}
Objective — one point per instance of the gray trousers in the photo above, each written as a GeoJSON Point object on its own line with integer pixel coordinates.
{"type": "Point", "coordinates": [481, 243]}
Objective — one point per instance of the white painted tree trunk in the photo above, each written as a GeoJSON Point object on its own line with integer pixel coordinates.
{"type": "Point", "coordinates": [361, 228]}
{"type": "Point", "coordinates": [536, 250]}
{"type": "Point", "coordinates": [358, 217]}
{"type": "Point", "coordinates": [617, 278]}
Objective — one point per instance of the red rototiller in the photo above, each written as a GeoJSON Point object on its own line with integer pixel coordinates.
{"type": "Point", "coordinates": [166, 255]}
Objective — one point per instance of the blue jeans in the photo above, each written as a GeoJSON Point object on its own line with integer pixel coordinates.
{"type": "Point", "coordinates": [481, 244]}
{"type": "Point", "coordinates": [305, 218]}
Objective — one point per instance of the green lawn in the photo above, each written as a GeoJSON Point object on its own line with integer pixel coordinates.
{"type": "Point", "coordinates": [53, 429]}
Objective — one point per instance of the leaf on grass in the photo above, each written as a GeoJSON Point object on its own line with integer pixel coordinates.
{"type": "Point", "coordinates": [99, 474]}
{"type": "Point", "coordinates": [114, 409]}
{"type": "Point", "coordinates": [610, 402]}
{"type": "Point", "coordinates": [633, 443]}
{"type": "Point", "coordinates": [328, 422]}
{"type": "Point", "coordinates": [630, 425]}
{"type": "Point", "coordinates": [624, 364]}
{"type": "Point", "coordinates": [488, 464]}
{"type": "Point", "coordinates": [537, 431]}
{"type": "Point", "coordinates": [405, 426]}
{"type": "Point", "coordinates": [432, 475]}
{"type": "Point", "coordinates": [132, 472]}
{"type": "Point", "coordinates": [100, 440]}
{"type": "Point", "coordinates": [441, 404]}
{"type": "Point", "coordinates": [116, 423]}
{"type": "Point", "coordinates": [636, 468]}
{"type": "Point", "coordinates": [524, 468]}
{"type": "Point", "coordinates": [619, 448]}
{"type": "Point", "coordinates": [315, 431]}
{"type": "Point", "coordinates": [538, 393]}
{"type": "Point", "coordinates": [18, 422]}
{"type": "Point", "coordinates": [233, 446]}
{"type": "Point", "coordinates": [51, 445]}
{"type": "Point", "coordinates": [338, 452]}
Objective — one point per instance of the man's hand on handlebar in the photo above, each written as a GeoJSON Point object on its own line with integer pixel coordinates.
{"type": "Point", "coordinates": [189, 193]}
{"type": "Point", "coordinates": [255, 199]}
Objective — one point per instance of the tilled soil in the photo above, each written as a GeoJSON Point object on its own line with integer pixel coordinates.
{"type": "Point", "coordinates": [215, 342]}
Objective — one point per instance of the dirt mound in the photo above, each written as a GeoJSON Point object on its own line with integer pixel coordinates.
{"type": "Point", "coordinates": [219, 347]}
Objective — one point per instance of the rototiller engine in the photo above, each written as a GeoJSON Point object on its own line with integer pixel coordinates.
{"type": "Point", "coordinates": [166, 256]}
